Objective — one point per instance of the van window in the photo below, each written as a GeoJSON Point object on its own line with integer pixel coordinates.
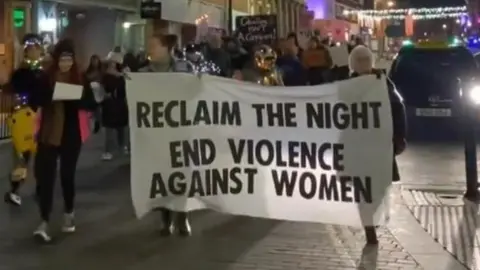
{"type": "Point", "coordinates": [421, 73]}
{"type": "Point", "coordinates": [434, 64]}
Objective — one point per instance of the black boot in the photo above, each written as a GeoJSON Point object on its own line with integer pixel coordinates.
{"type": "Point", "coordinates": [371, 235]}
{"type": "Point", "coordinates": [182, 224]}
{"type": "Point", "coordinates": [167, 228]}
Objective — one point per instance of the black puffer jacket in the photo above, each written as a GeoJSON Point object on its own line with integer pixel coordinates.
{"type": "Point", "coordinates": [114, 107]}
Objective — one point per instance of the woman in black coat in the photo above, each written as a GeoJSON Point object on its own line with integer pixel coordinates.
{"type": "Point", "coordinates": [114, 109]}
{"type": "Point", "coordinates": [361, 63]}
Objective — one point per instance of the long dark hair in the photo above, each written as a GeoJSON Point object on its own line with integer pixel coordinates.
{"type": "Point", "coordinates": [91, 66]}
{"type": "Point", "coordinates": [63, 48]}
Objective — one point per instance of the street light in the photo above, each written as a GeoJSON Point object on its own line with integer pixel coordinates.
{"type": "Point", "coordinates": [444, 26]}
{"type": "Point", "coordinates": [390, 3]}
{"type": "Point", "coordinates": [470, 101]}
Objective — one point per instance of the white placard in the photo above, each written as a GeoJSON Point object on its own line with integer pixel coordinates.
{"type": "Point", "coordinates": [66, 91]}
{"type": "Point", "coordinates": [292, 153]}
{"type": "Point", "coordinates": [339, 55]}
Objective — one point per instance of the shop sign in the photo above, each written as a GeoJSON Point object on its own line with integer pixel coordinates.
{"type": "Point", "coordinates": [150, 10]}
{"type": "Point", "coordinates": [256, 29]}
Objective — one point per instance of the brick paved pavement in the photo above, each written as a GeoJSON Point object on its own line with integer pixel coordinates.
{"type": "Point", "coordinates": [434, 197]}
{"type": "Point", "coordinates": [109, 237]}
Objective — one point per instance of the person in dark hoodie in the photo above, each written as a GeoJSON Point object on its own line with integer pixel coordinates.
{"type": "Point", "coordinates": [114, 107]}
{"type": "Point", "coordinates": [26, 83]}
{"type": "Point", "coordinates": [216, 54]}
{"type": "Point", "coordinates": [294, 73]}
{"type": "Point", "coordinates": [63, 128]}
{"type": "Point", "coordinates": [361, 63]}
{"type": "Point", "coordinates": [238, 55]}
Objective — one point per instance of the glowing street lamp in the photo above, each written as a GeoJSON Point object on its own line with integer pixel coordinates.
{"type": "Point", "coordinates": [390, 3]}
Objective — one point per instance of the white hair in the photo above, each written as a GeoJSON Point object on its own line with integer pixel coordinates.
{"type": "Point", "coordinates": [115, 57]}
{"type": "Point", "coordinates": [359, 51]}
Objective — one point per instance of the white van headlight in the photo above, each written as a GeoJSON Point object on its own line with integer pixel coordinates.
{"type": "Point", "coordinates": [475, 94]}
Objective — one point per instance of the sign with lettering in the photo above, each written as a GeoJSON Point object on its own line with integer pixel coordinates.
{"type": "Point", "coordinates": [290, 153]}
{"type": "Point", "coordinates": [256, 29]}
{"type": "Point", "coordinates": [150, 9]}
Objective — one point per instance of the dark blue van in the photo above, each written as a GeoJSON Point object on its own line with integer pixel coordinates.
{"type": "Point", "coordinates": [429, 79]}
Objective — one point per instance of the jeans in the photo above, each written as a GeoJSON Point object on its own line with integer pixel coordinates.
{"type": "Point", "coordinates": [118, 135]}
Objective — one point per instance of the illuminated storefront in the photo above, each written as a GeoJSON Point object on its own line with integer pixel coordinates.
{"type": "Point", "coordinates": [16, 19]}
{"type": "Point", "coordinates": [262, 6]}
{"type": "Point", "coordinates": [95, 29]}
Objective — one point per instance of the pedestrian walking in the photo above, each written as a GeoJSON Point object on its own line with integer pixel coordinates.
{"type": "Point", "coordinates": [63, 129]}
{"type": "Point", "coordinates": [361, 63]}
{"type": "Point", "coordinates": [114, 107]}
{"type": "Point", "coordinates": [28, 83]}
{"type": "Point", "coordinates": [162, 60]}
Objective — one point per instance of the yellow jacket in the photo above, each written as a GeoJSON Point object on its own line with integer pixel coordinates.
{"type": "Point", "coordinates": [23, 127]}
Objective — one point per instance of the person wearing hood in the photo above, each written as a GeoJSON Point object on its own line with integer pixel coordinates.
{"type": "Point", "coordinates": [28, 83]}
{"type": "Point", "coordinates": [114, 108]}
{"type": "Point", "coordinates": [361, 63]}
{"type": "Point", "coordinates": [63, 128]}
{"type": "Point", "coordinates": [161, 60]}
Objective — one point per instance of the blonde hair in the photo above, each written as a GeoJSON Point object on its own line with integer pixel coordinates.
{"type": "Point", "coordinates": [359, 51]}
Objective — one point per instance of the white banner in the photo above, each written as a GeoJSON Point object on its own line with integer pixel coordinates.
{"type": "Point", "coordinates": [320, 153]}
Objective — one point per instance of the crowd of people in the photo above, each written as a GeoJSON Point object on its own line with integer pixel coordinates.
{"type": "Point", "coordinates": [65, 125]}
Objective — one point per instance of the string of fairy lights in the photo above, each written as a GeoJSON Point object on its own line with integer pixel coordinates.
{"type": "Point", "coordinates": [414, 13]}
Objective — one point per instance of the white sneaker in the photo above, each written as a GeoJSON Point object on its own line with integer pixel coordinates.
{"type": "Point", "coordinates": [41, 233]}
{"type": "Point", "coordinates": [68, 223]}
{"type": "Point", "coordinates": [107, 156]}
{"type": "Point", "coordinates": [13, 198]}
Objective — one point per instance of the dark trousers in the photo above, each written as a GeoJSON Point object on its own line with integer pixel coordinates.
{"type": "Point", "coordinates": [45, 172]}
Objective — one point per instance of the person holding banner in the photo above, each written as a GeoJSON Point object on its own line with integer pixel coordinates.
{"type": "Point", "coordinates": [27, 83]}
{"type": "Point", "coordinates": [161, 60]}
{"type": "Point", "coordinates": [160, 55]}
{"type": "Point", "coordinates": [63, 127]}
{"type": "Point", "coordinates": [361, 63]}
